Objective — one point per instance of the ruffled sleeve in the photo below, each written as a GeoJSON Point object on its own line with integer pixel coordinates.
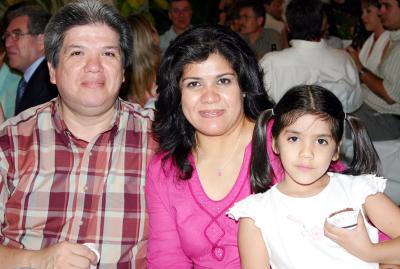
{"type": "Point", "coordinates": [250, 207]}
{"type": "Point", "coordinates": [366, 185]}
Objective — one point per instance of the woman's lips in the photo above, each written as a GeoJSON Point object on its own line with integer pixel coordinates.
{"type": "Point", "coordinates": [211, 113]}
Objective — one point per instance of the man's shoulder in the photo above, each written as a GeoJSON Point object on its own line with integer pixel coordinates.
{"type": "Point", "coordinates": [29, 116]}
{"type": "Point", "coordinates": [137, 111]}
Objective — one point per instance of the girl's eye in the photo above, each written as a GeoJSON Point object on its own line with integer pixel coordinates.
{"type": "Point", "coordinates": [322, 141]}
{"type": "Point", "coordinates": [224, 81]}
{"type": "Point", "coordinates": [293, 139]}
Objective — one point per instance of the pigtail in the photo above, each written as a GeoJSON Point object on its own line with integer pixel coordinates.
{"type": "Point", "coordinates": [260, 169]}
{"type": "Point", "coordinates": [365, 158]}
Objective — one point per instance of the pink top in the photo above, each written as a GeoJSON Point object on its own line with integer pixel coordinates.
{"type": "Point", "coordinates": [187, 228]}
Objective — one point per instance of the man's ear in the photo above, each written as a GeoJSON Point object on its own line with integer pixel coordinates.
{"type": "Point", "coordinates": [40, 42]}
{"type": "Point", "coordinates": [52, 72]}
{"type": "Point", "coordinates": [260, 21]}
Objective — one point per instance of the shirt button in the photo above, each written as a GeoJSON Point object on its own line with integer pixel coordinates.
{"type": "Point", "coordinates": [85, 188]}
{"type": "Point", "coordinates": [80, 222]}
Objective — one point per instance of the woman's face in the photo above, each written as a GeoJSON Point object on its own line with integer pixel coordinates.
{"type": "Point", "coordinates": [211, 98]}
{"type": "Point", "coordinates": [370, 18]}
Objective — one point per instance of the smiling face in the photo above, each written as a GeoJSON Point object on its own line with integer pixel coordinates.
{"type": "Point", "coordinates": [306, 149]}
{"type": "Point", "coordinates": [211, 98]}
{"type": "Point", "coordinates": [90, 72]}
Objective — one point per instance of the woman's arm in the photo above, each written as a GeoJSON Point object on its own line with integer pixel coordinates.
{"type": "Point", "coordinates": [164, 248]}
{"type": "Point", "coordinates": [385, 215]}
{"type": "Point", "coordinates": [252, 248]}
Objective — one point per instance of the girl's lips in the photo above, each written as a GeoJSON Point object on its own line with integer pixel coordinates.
{"type": "Point", "coordinates": [304, 167]}
{"type": "Point", "coordinates": [211, 113]}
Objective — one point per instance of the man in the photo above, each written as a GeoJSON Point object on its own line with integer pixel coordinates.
{"type": "Point", "coordinates": [8, 83]}
{"type": "Point", "coordinates": [72, 170]}
{"type": "Point", "coordinates": [273, 15]}
{"type": "Point", "coordinates": [310, 60]}
{"type": "Point", "coordinates": [274, 20]}
{"type": "Point", "coordinates": [25, 51]}
{"type": "Point", "coordinates": [251, 20]}
{"type": "Point", "coordinates": [180, 14]}
{"type": "Point", "coordinates": [381, 108]}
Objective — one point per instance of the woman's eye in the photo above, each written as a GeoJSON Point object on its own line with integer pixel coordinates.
{"type": "Point", "coordinates": [322, 141]}
{"type": "Point", "coordinates": [224, 81]}
{"type": "Point", "coordinates": [293, 139]}
{"type": "Point", "coordinates": [192, 84]}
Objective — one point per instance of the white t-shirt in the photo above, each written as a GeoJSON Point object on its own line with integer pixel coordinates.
{"type": "Point", "coordinates": [308, 62]}
{"type": "Point", "coordinates": [293, 228]}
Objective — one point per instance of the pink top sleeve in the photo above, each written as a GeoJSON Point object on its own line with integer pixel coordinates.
{"type": "Point", "coordinates": [164, 249]}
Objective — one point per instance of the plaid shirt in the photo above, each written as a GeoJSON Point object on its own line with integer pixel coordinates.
{"type": "Point", "coordinates": [56, 187]}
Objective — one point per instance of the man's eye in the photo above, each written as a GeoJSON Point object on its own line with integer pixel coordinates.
{"type": "Point", "coordinates": [109, 53]}
{"type": "Point", "coordinates": [76, 53]}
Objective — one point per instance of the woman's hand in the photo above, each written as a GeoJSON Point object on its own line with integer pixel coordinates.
{"type": "Point", "coordinates": [354, 53]}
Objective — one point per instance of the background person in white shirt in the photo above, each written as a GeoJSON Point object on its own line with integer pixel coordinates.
{"type": "Point", "coordinates": [310, 60]}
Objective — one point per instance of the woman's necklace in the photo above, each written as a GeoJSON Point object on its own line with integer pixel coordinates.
{"type": "Point", "coordinates": [220, 169]}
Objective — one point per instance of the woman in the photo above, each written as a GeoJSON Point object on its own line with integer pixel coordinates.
{"type": "Point", "coordinates": [373, 49]}
{"type": "Point", "coordinates": [210, 93]}
{"type": "Point", "coordinates": [140, 84]}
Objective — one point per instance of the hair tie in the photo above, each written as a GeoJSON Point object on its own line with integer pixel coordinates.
{"type": "Point", "coordinates": [272, 112]}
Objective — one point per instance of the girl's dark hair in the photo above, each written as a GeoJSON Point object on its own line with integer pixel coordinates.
{"type": "Point", "coordinates": [315, 100]}
{"type": "Point", "coordinates": [176, 136]}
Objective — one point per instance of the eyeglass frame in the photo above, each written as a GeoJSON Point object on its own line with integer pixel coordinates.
{"type": "Point", "coordinates": [15, 35]}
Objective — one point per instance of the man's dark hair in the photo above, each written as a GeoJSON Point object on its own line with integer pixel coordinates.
{"type": "Point", "coordinates": [304, 18]}
{"type": "Point", "coordinates": [86, 12]}
{"type": "Point", "coordinates": [256, 6]}
{"type": "Point", "coordinates": [37, 17]}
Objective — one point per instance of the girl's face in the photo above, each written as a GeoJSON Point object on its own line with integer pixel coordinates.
{"type": "Point", "coordinates": [370, 18]}
{"type": "Point", "coordinates": [211, 97]}
{"type": "Point", "coordinates": [306, 149]}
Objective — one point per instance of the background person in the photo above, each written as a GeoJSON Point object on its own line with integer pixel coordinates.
{"type": "Point", "coordinates": [252, 20]}
{"type": "Point", "coordinates": [8, 82]}
{"type": "Point", "coordinates": [380, 111]}
{"type": "Point", "coordinates": [180, 14]}
{"type": "Point", "coordinates": [302, 63]}
{"type": "Point", "coordinates": [210, 92]}
{"type": "Point", "coordinates": [24, 41]}
{"type": "Point", "coordinates": [139, 86]}
{"type": "Point", "coordinates": [72, 170]}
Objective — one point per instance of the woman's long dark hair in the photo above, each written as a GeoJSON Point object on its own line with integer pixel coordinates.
{"type": "Point", "coordinates": [174, 133]}
{"type": "Point", "coordinates": [315, 100]}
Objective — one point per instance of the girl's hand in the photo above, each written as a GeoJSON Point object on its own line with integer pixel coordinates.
{"type": "Point", "coordinates": [356, 241]}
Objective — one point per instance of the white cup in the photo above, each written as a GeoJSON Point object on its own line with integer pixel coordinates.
{"type": "Point", "coordinates": [93, 247]}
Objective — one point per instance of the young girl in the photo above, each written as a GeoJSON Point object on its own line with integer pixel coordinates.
{"type": "Point", "coordinates": [287, 227]}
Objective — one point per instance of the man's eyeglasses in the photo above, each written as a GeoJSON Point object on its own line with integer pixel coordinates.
{"type": "Point", "coordinates": [15, 35]}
